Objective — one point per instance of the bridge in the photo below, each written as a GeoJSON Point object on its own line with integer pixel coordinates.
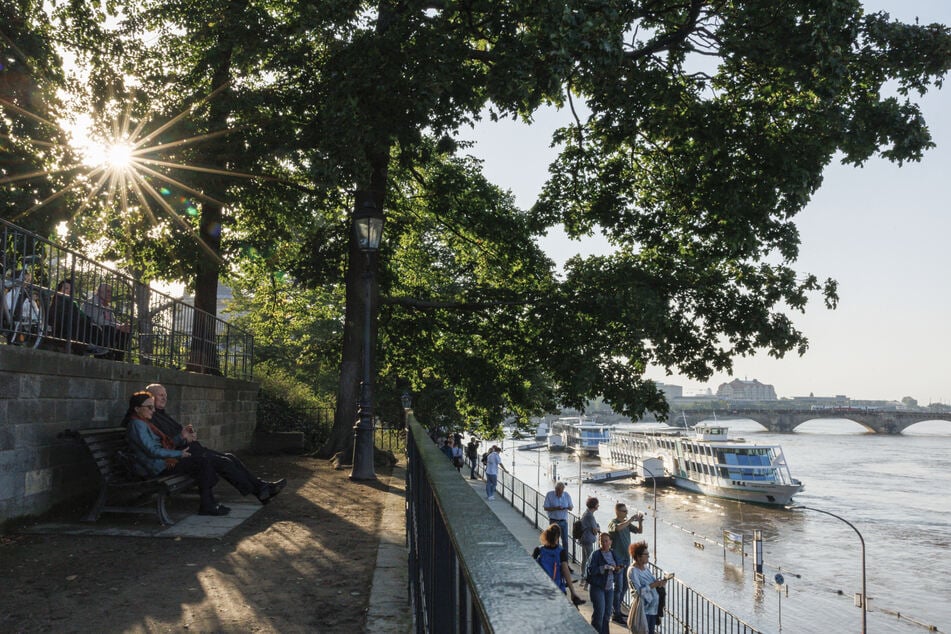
{"type": "Point", "coordinates": [785, 421]}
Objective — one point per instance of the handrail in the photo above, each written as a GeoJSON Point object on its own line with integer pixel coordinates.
{"type": "Point", "coordinates": [140, 324]}
{"type": "Point", "coordinates": [468, 573]}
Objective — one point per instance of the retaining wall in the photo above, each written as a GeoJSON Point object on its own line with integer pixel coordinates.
{"type": "Point", "coordinates": [43, 393]}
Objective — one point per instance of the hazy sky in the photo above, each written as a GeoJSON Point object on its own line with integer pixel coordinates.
{"type": "Point", "coordinates": [881, 231]}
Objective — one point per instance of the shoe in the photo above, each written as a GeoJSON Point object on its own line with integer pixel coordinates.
{"type": "Point", "coordinates": [491, 497]}
{"type": "Point", "coordinates": [218, 510]}
{"type": "Point", "coordinates": [269, 490]}
{"type": "Point", "coordinates": [617, 618]}
{"type": "Point", "coordinates": [578, 601]}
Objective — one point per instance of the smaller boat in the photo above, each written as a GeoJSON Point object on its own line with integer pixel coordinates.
{"type": "Point", "coordinates": [541, 433]}
{"type": "Point", "coordinates": [581, 434]}
{"type": "Point", "coordinates": [607, 476]}
{"type": "Point", "coordinates": [556, 442]}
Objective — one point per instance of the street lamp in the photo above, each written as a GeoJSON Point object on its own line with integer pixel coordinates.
{"type": "Point", "coordinates": [654, 498]}
{"type": "Point", "coordinates": [862, 540]}
{"type": "Point", "coordinates": [368, 229]}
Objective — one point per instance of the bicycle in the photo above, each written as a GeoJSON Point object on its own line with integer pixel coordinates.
{"type": "Point", "coordinates": [23, 309]}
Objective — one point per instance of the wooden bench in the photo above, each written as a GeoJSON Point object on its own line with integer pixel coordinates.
{"type": "Point", "coordinates": [120, 490]}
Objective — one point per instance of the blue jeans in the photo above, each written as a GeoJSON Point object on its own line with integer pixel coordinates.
{"type": "Point", "coordinates": [491, 479]}
{"type": "Point", "coordinates": [651, 623]}
{"type": "Point", "coordinates": [620, 587]}
{"type": "Point", "coordinates": [472, 468]}
{"type": "Point", "coordinates": [564, 536]}
{"type": "Point", "coordinates": [601, 601]}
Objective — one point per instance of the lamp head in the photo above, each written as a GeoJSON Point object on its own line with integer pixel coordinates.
{"type": "Point", "coordinates": [368, 226]}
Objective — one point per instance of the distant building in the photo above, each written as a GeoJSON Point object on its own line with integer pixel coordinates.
{"type": "Point", "coordinates": [670, 391]}
{"type": "Point", "coordinates": [740, 390]}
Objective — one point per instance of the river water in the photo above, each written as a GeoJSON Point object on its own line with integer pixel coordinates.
{"type": "Point", "coordinates": [896, 490]}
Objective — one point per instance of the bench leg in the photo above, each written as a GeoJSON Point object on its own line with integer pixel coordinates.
{"type": "Point", "coordinates": [96, 510]}
{"type": "Point", "coordinates": [163, 515]}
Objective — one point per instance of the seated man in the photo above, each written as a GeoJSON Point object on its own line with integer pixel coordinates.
{"type": "Point", "coordinates": [99, 310]}
{"type": "Point", "coordinates": [227, 465]}
{"type": "Point", "coordinates": [69, 323]}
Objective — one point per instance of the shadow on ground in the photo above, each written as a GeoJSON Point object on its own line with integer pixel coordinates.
{"type": "Point", "coordinates": [303, 563]}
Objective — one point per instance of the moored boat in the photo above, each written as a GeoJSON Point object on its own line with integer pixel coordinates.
{"type": "Point", "coordinates": [707, 462]}
{"type": "Point", "coordinates": [581, 435]}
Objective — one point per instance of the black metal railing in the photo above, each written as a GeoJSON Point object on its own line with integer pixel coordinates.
{"type": "Point", "coordinates": [468, 573]}
{"type": "Point", "coordinates": [57, 299]}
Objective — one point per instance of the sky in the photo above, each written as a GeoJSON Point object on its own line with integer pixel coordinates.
{"type": "Point", "coordinates": [881, 231]}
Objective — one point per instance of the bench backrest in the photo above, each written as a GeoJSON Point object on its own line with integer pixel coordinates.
{"type": "Point", "coordinates": [104, 445]}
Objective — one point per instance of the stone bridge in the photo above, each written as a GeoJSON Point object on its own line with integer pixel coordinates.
{"type": "Point", "coordinates": [786, 420]}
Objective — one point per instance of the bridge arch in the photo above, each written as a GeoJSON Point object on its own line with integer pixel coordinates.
{"type": "Point", "coordinates": [787, 420]}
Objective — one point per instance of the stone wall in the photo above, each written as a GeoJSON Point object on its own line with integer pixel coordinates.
{"type": "Point", "coordinates": [43, 393]}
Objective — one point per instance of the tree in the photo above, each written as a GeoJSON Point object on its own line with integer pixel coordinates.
{"type": "Point", "coordinates": [708, 128]}
{"type": "Point", "coordinates": [702, 128]}
{"type": "Point", "coordinates": [30, 142]}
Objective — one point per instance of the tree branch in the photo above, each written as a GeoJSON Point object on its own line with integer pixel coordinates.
{"type": "Point", "coordinates": [675, 37]}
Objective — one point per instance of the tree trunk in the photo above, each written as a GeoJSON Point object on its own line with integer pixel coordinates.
{"type": "Point", "coordinates": [348, 388]}
{"type": "Point", "coordinates": [203, 355]}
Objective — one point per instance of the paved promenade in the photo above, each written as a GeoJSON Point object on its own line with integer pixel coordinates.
{"type": "Point", "coordinates": [528, 536]}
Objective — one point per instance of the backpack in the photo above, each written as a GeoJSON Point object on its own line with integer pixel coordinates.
{"type": "Point", "coordinates": [550, 561]}
{"type": "Point", "coordinates": [577, 530]}
{"type": "Point", "coordinates": [485, 458]}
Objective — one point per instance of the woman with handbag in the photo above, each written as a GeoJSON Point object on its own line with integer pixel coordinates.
{"type": "Point", "coordinates": [600, 576]}
{"type": "Point", "coordinates": [643, 584]}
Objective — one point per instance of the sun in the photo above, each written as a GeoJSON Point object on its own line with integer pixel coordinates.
{"type": "Point", "coordinates": [119, 155]}
{"type": "Point", "coordinates": [112, 152]}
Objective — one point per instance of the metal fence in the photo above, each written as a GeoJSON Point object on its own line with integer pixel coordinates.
{"type": "Point", "coordinates": [468, 574]}
{"type": "Point", "coordinates": [57, 299]}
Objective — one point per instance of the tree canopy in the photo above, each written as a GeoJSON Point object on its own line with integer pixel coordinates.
{"type": "Point", "coordinates": [702, 127]}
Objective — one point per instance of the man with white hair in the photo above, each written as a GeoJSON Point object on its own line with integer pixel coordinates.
{"type": "Point", "coordinates": [227, 465]}
{"type": "Point", "coordinates": [558, 504]}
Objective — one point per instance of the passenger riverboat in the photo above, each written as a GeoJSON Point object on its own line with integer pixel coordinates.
{"type": "Point", "coordinates": [580, 434]}
{"type": "Point", "coordinates": [707, 462]}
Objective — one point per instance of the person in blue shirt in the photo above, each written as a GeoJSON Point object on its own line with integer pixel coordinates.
{"type": "Point", "coordinates": [154, 454]}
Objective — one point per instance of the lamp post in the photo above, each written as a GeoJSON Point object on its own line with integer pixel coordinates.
{"type": "Point", "coordinates": [368, 229]}
{"type": "Point", "coordinates": [654, 482]}
{"type": "Point", "coordinates": [862, 540]}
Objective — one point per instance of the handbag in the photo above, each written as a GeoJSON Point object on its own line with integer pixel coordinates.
{"type": "Point", "coordinates": [636, 619]}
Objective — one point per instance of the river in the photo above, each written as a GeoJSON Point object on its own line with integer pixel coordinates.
{"type": "Point", "coordinates": [894, 489]}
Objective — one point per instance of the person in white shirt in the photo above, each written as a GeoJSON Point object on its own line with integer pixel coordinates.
{"type": "Point", "coordinates": [492, 464]}
{"type": "Point", "coordinates": [558, 504]}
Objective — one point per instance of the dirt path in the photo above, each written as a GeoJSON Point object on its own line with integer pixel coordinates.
{"type": "Point", "coordinates": [304, 563]}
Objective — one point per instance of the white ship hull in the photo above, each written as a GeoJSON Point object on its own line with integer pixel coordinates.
{"type": "Point", "coordinates": [709, 465]}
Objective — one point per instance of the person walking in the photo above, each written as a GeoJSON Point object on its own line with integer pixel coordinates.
{"type": "Point", "coordinates": [589, 535]}
{"type": "Point", "coordinates": [645, 583]}
{"type": "Point", "coordinates": [472, 453]}
{"type": "Point", "coordinates": [557, 504]}
{"type": "Point", "coordinates": [493, 463]}
{"type": "Point", "coordinates": [600, 574]}
{"type": "Point", "coordinates": [620, 529]}
{"type": "Point", "coordinates": [554, 561]}
{"type": "Point", "coordinates": [457, 456]}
